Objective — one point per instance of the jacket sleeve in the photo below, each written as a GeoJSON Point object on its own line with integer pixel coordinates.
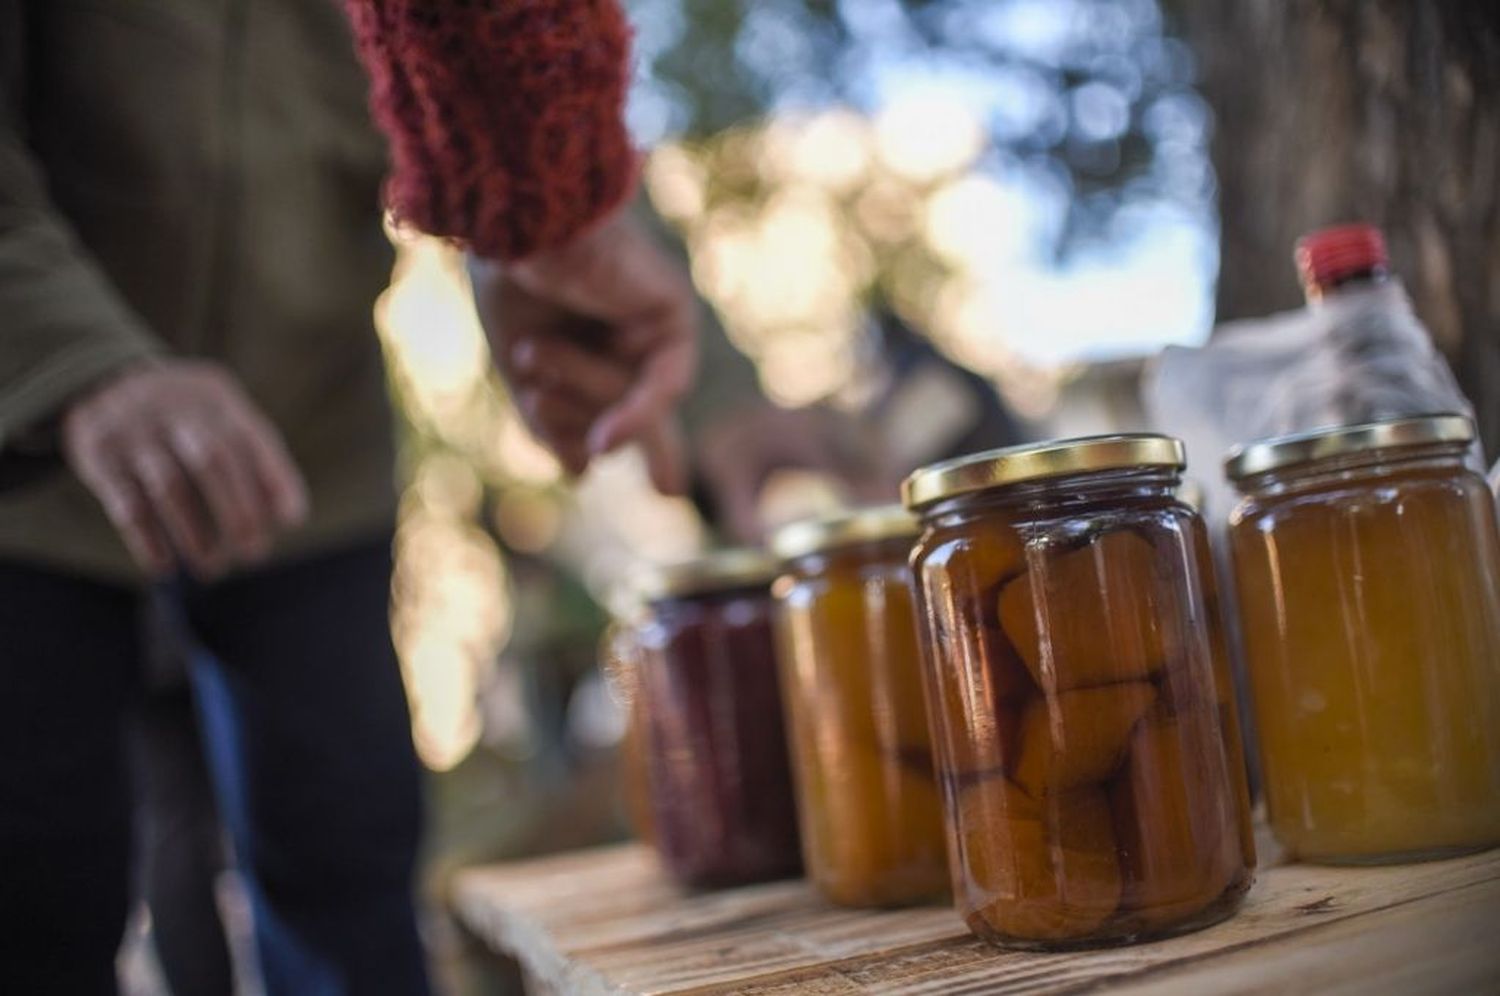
{"type": "Point", "coordinates": [505, 118]}
{"type": "Point", "coordinates": [62, 325]}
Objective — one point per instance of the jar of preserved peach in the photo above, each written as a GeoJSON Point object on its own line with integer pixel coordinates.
{"type": "Point", "coordinates": [721, 788]}
{"type": "Point", "coordinates": [872, 823]}
{"type": "Point", "coordinates": [1368, 570]}
{"type": "Point", "coordinates": [1082, 713]}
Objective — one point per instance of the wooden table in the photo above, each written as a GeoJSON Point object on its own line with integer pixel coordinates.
{"type": "Point", "coordinates": [607, 921]}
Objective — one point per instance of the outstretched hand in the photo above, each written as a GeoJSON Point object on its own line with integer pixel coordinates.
{"type": "Point", "coordinates": [738, 454]}
{"type": "Point", "coordinates": [597, 342]}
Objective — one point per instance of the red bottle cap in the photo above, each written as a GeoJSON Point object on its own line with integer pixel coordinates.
{"type": "Point", "coordinates": [1330, 255]}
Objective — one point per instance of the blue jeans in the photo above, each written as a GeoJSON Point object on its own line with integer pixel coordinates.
{"type": "Point", "coordinates": [309, 744]}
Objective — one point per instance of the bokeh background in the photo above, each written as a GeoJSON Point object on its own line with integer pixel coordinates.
{"type": "Point", "coordinates": [1047, 188]}
{"type": "Point", "coordinates": [1026, 180]}
{"type": "Point", "coordinates": [1051, 190]}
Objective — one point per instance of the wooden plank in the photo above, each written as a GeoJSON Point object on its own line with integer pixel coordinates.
{"type": "Point", "coordinates": [1285, 901]}
{"type": "Point", "coordinates": [557, 908]}
{"type": "Point", "coordinates": [788, 941]}
{"type": "Point", "coordinates": [610, 897]}
{"type": "Point", "coordinates": [610, 922]}
{"type": "Point", "coordinates": [607, 921]}
{"type": "Point", "coordinates": [1448, 943]}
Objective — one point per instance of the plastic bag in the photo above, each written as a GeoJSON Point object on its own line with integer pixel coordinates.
{"type": "Point", "coordinates": [1356, 356]}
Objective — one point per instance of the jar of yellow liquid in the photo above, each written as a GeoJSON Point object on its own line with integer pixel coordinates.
{"type": "Point", "coordinates": [872, 822]}
{"type": "Point", "coordinates": [1367, 562]}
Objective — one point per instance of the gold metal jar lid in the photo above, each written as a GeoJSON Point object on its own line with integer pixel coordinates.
{"type": "Point", "coordinates": [861, 525]}
{"type": "Point", "coordinates": [1036, 461]}
{"type": "Point", "coordinates": [735, 567]}
{"type": "Point", "coordinates": [1342, 440]}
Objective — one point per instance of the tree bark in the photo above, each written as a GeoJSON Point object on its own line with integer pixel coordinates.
{"type": "Point", "coordinates": [1385, 111]}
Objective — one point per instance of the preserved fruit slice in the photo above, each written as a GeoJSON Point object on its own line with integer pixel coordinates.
{"type": "Point", "coordinates": [1095, 605]}
{"type": "Point", "coordinates": [1079, 737]}
{"type": "Point", "coordinates": [1038, 872]}
{"type": "Point", "coordinates": [1179, 846]}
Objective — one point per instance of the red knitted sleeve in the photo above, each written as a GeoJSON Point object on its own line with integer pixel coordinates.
{"type": "Point", "coordinates": [505, 117]}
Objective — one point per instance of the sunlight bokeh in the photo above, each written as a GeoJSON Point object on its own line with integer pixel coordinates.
{"type": "Point", "coordinates": [795, 226]}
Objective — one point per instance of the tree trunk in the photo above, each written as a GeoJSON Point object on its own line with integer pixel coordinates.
{"type": "Point", "coordinates": [1385, 111]}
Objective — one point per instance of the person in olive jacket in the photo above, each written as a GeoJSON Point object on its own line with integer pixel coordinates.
{"type": "Point", "coordinates": [191, 242]}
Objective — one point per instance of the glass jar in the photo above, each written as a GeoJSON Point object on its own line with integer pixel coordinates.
{"type": "Point", "coordinates": [715, 745]}
{"type": "Point", "coordinates": [872, 824]}
{"type": "Point", "coordinates": [1368, 570]}
{"type": "Point", "coordinates": [1081, 707]}
{"type": "Point", "coordinates": [636, 775]}
{"type": "Point", "coordinates": [620, 656]}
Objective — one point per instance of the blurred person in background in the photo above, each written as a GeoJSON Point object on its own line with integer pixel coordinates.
{"type": "Point", "coordinates": [192, 401]}
{"type": "Point", "coordinates": [908, 405]}
{"type": "Point", "coordinates": [189, 248]}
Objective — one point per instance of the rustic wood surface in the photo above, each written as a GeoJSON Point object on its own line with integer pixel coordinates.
{"type": "Point", "coordinates": [608, 921]}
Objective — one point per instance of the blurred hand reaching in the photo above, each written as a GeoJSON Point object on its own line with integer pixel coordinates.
{"type": "Point", "coordinates": [597, 342]}
{"type": "Point", "coordinates": [739, 453]}
{"type": "Point", "coordinates": [188, 470]}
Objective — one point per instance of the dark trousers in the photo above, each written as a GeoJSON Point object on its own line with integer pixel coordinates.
{"type": "Point", "coordinates": [309, 744]}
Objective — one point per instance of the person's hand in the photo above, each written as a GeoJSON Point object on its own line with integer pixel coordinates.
{"type": "Point", "coordinates": [597, 341]}
{"type": "Point", "coordinates": [737, 454]}
{"type": "Point", "coordinates": [187, 468]}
